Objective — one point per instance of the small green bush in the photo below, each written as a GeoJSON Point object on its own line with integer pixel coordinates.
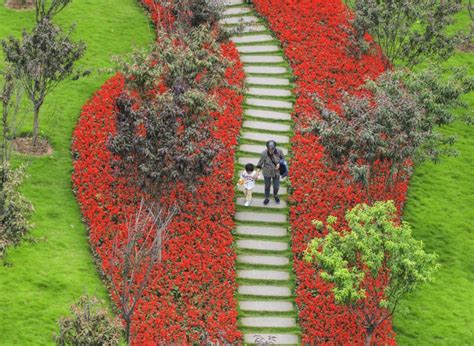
{"type": "Point", "coordinates": [90, 325]}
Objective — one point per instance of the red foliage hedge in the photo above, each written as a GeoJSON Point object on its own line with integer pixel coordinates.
{"type": "Point", "coordinates": [191, 294]}
{"type": "Point", "coordinates": [315, 39]}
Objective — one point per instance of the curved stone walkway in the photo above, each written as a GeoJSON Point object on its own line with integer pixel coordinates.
{"type": "Point", "coordinates": [267, 312]}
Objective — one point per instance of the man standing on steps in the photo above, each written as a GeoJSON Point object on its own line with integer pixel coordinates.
{"type": "Point", "coordinates": [269, 163]}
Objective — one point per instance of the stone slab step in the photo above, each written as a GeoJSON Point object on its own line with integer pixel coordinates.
{"type": "Point", "coordinates": [264, 290]}
{"type": "Point", "coordinates": [256, 274]}
{"type": "Point", "coordinates": [266, 305]}
{"type": "Point", "coordinates": [263, 260]}
{"type": "Point", "coordinates": [268, 126]}
{"type": "Point", "coordinates": [261, 59]}
{"type": "Point", "coordinates": [262, 217]}
{"type": "Point", "coordinates": [265, 69]}
{"type": "Point", "coordinates": [244, 160]}
{"type": "Point", "coordinates": [260, 188]}
{"type": "Point", "coordinates": [239, 20]}
{"type": "Point", "coordinates": [268, 92]}
{"type": "Point", "coordinates": [264, 231]}
{"type": "Point", "coordinates": [258, 49]}
{"type": "Point", "coordinates": [233, 2]}
{"type": "Point", "coordinates": [264, 137]}
{"type": "Point", "coordinates": [268, 103]}
{"type": "Point", "coordinates": [267, 81]}
{"type": "Point", "coordinates": [269, 322]}
{"type": "Point", "coordinates": [257, 149]}
{"type": "Point", "coordinates": [237, 10]}
{"type": "Point", "coordinates": [252, 27]}
{"type": "Point", "coordinates": [252, 38]}
{"type": "Point", "coordinates": [258, 202]}
{"type": "Point", "coordinates": [265, 114]}
{"type": "Point", "coordinates": [262, 245]}
{"type": "Point", "coordinates": [271, 339]}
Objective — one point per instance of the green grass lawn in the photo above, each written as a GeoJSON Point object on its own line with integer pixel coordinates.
{"type": "Point", "coordinates": [47, 277]}
{"type": "Point", "coordinates": [440, 208]}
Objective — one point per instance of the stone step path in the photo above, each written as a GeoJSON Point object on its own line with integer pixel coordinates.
{"type": "Point", "coordinates": [257, 149]}
{"type": "Point", "coordinates": [261, 125]}
{"type": "Point", "coordinates": [268, 92]}
{"type": "Point", "coordinates": [266, 283]}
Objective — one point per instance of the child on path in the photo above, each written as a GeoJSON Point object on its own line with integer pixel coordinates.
{"type": "Point", "coordinates": [247, 179]}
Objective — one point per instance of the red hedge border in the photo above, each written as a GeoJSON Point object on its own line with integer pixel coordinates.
{"type": "Point", "coordinates": [192, 292]}
{"type": "Point", "coordinates": [314, 36]}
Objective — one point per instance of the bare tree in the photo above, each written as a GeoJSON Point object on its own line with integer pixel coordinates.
{"type": "Point", "coordinates": [134, 257]}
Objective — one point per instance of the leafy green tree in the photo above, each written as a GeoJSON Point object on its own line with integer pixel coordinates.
{"type": "Point", "coordinates": [90, 324]}
{"type": "Point", "coordinates": [163, 116]}
{"type": "Point", "coordinates": [409, 31]}
{"type": "Point", "coordinates": [394, 121]}
{"type": "Point", "coordinates": [374, 244]}
{"type": "Point", "coordinates": [43, 58]}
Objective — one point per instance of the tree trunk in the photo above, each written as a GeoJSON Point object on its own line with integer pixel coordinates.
{"type": "Point", "coordinates": [368, 337]}
{"type": "Point", "coordinates": [470, 9]}
{"type": "Point", "coordinates": [36, 125]}
{"type": "Point", "coordinates": [128, 324]}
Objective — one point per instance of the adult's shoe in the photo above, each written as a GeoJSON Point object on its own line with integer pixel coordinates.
{"type": "Point", "coordinates": [266, 201]}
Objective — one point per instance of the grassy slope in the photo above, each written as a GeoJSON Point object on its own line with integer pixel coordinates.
{"type": "Point", "coordinates": [441, 210]}
{"type": "Point", "coordinates": [46, 278]}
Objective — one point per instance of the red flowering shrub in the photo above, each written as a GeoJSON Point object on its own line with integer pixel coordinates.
{"type": "Point", "coordinates": [315, 38]}
{"type": "Point", "coordinates": [191, 295]}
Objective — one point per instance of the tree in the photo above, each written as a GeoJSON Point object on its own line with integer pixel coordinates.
{"type": "Point", "coordinates": [393, 122]}
{"type": "Point", "coordinates": [199, 12]}
{"type": "Point", "coordinates": [163, 117]}
{"type": "Point", "coordinates": [409, 31]}
{"type": "Point", "coordinates": [470, 9]}
{"type": "Point", "coordinates": [48, 9]}
{"type": "Point", "coordinates": [43, 58]}
{"type": "Point", "coordinates": [373, 245]}
{"type": "Point", "coordinates": [11, 100]}
{"type": "Point", "coordinates": [14, 207]}
{"type": "Point", "coordinates": [90, 325]}
{"type": "Point", "coordinates": [186, 14]}
{"type": "Point", "coordinates": [135, 255]}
